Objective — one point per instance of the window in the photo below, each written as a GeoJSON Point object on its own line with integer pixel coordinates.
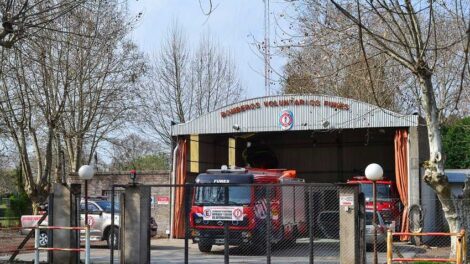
{"type": "Point", "coordinates": [117, 194]}
{"type": "Point", "coordinates": [238, 195]}
{"type": "Point", "coordinates": [92, 208]}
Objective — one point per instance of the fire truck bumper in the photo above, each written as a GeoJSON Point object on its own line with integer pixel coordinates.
{"type": "Point", "coordinates": [217, 237]}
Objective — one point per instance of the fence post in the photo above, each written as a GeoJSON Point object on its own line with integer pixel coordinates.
{"type": "Point", "coordinates": [36, 245]}
{"type": "Point", "coordinates": [87, 244]}
{"type": "Point", "coordinates": [459, 249]}
{"type": "Point", "coordinates": [135, 224]}
{"type": "Point", "coordinates": [50, 222]}
{"type": "Point", "coordinates": [63, 215]}
{"type": "Point", "coordinates": [111, 254]}
{"type": "Point", "coordinates": [464, 245]}
{"type": "Point", "coordinates": [310, 224]}
{"type": "Point", "coordinates": [268, 224]}
{"type": "Point", "coordinates": [389, 246]}
{"type": "Point", "coordinates": [226, 229]}
{"type": "Point", "coordinates": [187, 199]}
{"type": "Point", "coordinates": [349, 229]}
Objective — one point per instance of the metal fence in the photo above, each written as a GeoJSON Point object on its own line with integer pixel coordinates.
{"type": "Point", "coordinates": [241, 223]}
{"type": "Point", "coordinates": [288, 223]}
{"type": "Point", "coordinates": [437, 244]}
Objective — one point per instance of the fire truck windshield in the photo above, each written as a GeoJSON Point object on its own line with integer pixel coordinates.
{"type": "Point", "coordinates": [383, 191]}
{"type": "Point", "coordinates": [215, 195]}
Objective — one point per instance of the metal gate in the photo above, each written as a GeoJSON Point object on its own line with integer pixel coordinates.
{"type": "Point", "coordinates": [243, 223]}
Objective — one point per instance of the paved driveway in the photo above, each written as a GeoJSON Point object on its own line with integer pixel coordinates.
{"type": "Point", "coordinates": [172, 251]}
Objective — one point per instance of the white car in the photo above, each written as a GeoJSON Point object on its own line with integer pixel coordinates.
{"type": "Point", "coordinates": [381, 229]}
{"type": "Point", "coordinates": [99, 219]}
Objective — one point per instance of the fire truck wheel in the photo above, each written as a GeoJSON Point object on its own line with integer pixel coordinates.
{"type": "Point", "coordinates": [43, 239]}
{"type": "Point", "coordinates": [204, 246]}
{"type": "Point", "coordinates": [260, 247]}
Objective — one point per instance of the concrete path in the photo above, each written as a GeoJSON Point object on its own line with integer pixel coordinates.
{"type": "Point", "coordinates": [172, 251]}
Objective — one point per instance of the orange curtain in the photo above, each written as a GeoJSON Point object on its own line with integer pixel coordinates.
{"type": "Point", "coordinates": [401, 174]}
{"type": "Point", "coordinates": [181, 165]}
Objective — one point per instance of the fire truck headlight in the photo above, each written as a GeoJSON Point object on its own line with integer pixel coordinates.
{"type": "Point", "coordinates": [246, 234]}
{"type": "Point", "coordinates": [198, 220]}
{"type": "Point", "coordinates": [195, 233]}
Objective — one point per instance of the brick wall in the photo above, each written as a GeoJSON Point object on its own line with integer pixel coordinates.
{"type": "Point", "coordinates": [102, 182]}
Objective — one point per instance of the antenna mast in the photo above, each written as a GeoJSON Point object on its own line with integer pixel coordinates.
{"type": "Point", "coordinates": [267, 55]}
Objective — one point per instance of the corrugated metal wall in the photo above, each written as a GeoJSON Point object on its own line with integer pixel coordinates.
{"type": "Point", "coordinates": [310, 113]}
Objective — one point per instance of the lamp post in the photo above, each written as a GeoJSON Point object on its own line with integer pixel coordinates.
{"type": "Point", "coordinates": [86, 172]}
{"type": "Point", "coordinates": [374, 173]}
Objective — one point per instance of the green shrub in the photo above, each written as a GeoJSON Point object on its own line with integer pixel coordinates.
{"type": "Point", "coordinates": [19, 205]}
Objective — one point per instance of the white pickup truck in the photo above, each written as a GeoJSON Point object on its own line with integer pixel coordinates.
{"type": "Point", "coordinates": [99, 219]}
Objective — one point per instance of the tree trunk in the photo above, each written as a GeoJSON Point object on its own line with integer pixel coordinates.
{"type": "Point", "coordinates": [59, 156]}
{"type": "Point", "coordinates": [35, 205]}
{"type": "Point", "coordinates": [466, 216]}
{"type": "Point", "coordinates": [434, 174]}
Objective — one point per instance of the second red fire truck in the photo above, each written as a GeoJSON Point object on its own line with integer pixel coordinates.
{"type": "Point", "coordinates": [388, 201]}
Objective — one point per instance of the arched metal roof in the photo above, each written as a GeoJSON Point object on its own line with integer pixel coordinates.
{"type": "Point", "coordinates": [310, 112]}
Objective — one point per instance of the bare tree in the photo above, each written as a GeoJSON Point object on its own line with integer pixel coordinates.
{"type": "Point", "coordinates": [108, 67]}
{"type": "Point", "coordinates": [307, 73]}
{"type": "Point", "coordinates": [25, 18]}
{"type": "Point", "coordinates": [67, 90]}
{"type": "Point", "coordinates": [183, 85]}
{"type": "Point", "coordinates": [30, 98]}
{"type": "Point", "coordinates": [418, 37]}
{"type": "Point", "coordinates": [135, 152]}
{"type": "Point", "coordinates": [213, 77]}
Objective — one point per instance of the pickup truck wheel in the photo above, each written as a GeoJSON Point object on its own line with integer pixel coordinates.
{"type": "Point", "coordinates": [43, 239]}
{"type": "Point", "coordinates": [204, 246]}
{"type": "Point", "coordinates": [115, 238]}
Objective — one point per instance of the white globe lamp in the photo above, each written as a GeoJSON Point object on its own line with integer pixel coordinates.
{"type": "Point", "coordinates": [86, 172]}
{"type": "Point", "coordinates": [374, 172]}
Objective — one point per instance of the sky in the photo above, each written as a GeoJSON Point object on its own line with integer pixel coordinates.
{"type": "Point", "coordinates": [235, 24]}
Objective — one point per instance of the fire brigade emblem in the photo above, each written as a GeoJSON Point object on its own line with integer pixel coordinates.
{"type": "Point", "coordinates": [207, 213]}
{"type": "Point", "coordinates": [286, 119]}
{"type": "Point", "coordinates": [238, 214]}
{"type": "Point", "coordinates": [261, 209]}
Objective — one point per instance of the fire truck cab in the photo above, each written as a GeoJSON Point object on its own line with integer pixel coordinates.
{"type": "Point", "coordinates": [388, 200]}
{"type": "Point", "coordinates": [244, 207]}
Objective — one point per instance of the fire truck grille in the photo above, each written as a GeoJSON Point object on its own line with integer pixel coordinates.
{"type": "Point", "coordinates": [220, 234]}
{"type": "Point", "coordinates": [221, 223]}
{"type": "Point", "coordinates": [387, 216]}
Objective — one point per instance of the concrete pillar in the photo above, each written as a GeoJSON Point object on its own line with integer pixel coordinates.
{"type": "Point", "coordinates": [135, 225]}
{"type": "Point", "coordinates": [413, 166]}
{"type": "Point", "coordinates": [418, 191]}
{"type": "Point", "coordinates": [352, 244]}
{"type": "Point", "coordinates": [65, 213]}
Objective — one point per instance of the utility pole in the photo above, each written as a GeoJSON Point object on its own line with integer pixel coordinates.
{"type": "Point", "coordinates": [267, 55]}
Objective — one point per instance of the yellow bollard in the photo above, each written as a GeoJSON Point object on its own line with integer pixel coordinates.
{"type": "Point", "coordinates": [459, 249]}
{"type": "Point", "coordinates": [464, 246]}
{"type": "Point", "coordinates": [389, 246]}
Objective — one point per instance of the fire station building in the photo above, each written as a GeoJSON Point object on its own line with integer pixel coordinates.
{"type": "Point", "coordinates": [326, 139]}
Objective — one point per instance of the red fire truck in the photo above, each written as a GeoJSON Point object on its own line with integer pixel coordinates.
{"type": "Point", "coordinates": [245, 208]}
{"type": "Point", "coordinates": [388, 200]}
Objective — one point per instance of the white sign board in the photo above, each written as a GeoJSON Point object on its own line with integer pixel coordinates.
{"type": "Point", "coordinates": [222, 213]}
{"type": "Point", "coordinates": [163, 200]}
{"type": "Point", "coordinates": [346, 200]}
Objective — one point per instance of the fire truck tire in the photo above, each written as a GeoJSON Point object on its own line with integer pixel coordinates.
{"type": "Point", "coordinates": [259, 246]}
{"type": "Point", "coordinates": [43, 239]}
{"type": "Point", "coordinates": [204, 246]}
